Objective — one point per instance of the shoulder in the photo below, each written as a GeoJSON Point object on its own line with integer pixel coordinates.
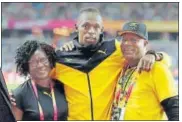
{"type": "Point", "coordinates": [159, 67]}
{"type": "Point", "coordinates": [159, 71]}
{"type": "Point", "coordinates": [22, 89]}
{"type": "Point", "coordinates": [161, 74]}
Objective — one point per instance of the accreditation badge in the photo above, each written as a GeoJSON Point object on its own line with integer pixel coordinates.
{"type": "Point", "coordinates": [122, 112]}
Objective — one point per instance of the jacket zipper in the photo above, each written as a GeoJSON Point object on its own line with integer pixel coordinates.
{"type": "Point", "coordinates": [90, 92]}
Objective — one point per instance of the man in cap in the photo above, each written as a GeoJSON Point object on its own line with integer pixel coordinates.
{"type": "Point", "coordinates": [90, 70]}
{"type": "Point", "coordinates": [148, 95]}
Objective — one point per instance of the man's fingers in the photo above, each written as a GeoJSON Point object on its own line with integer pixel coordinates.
{"type": "Point", "coordinates": [148, 65]}
{"type": "Point", "coordinates": [13, 103]}
{"type": "Point", "coordinates": [10, 93]}
{"type": "Point", "coordinates": [145, 63]}
{"type": "Point", "coordinates": [151, 64]}
{"type": "Point", "coordinates": [65, 47]}
{"type": "Point", "coordinates": [72, 45]}
{"type": "Point", "coordinates": [12, 99]}
{"type": "Point", "coordinates": [69, 47]}
{"type": "Point", "coordinates": [61, 49]}
{"type": "Point", "coordinates": [139, 67]}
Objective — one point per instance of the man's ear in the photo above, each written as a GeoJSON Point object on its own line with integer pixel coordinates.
{"type": "Point", "coordinates": [102, 30]}
{"type": "Point", "coordinates": [146, 42]}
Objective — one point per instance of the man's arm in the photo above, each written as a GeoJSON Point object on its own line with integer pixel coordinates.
{"type": "Point", "coordinates": [161, 56]}
{"type": "Point", "coordinates": [171, 107]}
{"type": "Point", "coordinates": [165, 89]}
{"type": "Point", "coordinates": [66, 47]}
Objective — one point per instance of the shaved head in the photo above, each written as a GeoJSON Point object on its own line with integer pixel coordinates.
{"type": "Point", "coordinates": [90, 14]}
{"type": "Point", "coordinates": [89, 26]}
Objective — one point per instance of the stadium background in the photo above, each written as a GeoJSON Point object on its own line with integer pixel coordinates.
{"type": "Point", "coordinates": [54, 24]}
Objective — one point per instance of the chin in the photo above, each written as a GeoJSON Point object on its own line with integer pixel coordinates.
{"type": "Point", "coordinates": [129, 57]}
{"type": "Point", "coordinates": [43, 76]}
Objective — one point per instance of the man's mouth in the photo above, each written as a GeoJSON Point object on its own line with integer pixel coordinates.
{"type": "Point", "coordinates": [128, 51]}
{"type": "Point", "coordinates": [90, 39]}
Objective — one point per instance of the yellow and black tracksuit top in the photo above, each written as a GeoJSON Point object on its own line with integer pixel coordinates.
{"type": "Point", "coordinates": [89, 78]}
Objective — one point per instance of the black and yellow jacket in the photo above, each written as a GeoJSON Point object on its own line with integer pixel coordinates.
{"type": "Point", "coordinates": [89, 78]}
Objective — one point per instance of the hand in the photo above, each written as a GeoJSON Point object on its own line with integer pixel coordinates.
{"type": "Point", "coordinates": [146, 63]}
{"type": "Point", "coordinates": [67, 46]}
{"type": "Point", "coordinates": [12, 99]}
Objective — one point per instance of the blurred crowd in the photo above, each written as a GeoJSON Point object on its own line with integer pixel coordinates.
{"type": "Point", "coordinates": [124, 11]}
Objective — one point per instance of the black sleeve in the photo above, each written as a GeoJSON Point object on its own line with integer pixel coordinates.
{"type": "Point", "coordinates": [18, 95]}
{"type": "Point", "coordinates": [171, 107]}
{"type": "Point", "coordinates": [3, 86]}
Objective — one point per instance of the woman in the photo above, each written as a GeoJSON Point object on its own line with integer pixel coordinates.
{"type": "Point", "coordinates": [40, 97]}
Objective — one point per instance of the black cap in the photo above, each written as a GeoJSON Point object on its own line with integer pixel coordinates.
{"type": "Point", "coordinates": [137, 28]}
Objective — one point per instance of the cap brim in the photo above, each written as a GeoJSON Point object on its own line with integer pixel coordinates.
{"type": "Point", "coordinates": [124, 32]}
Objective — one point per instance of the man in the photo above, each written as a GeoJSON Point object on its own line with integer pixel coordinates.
{"type": "Point", "coordinates": [90, 71]}
{"type": "Point", "coordinates": [148, 95]}
{"type": "Point", "coordinates": [6, 114]}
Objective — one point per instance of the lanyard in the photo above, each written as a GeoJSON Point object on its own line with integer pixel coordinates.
{"type": "Point", "coordinates": [123, 93]}
{"type": "Point", "coordinates": [122, 110]}
{"type": "Point", "coordinates": [131, 83]}
{"type": "Point", "coordinates": [53, 101]}
{"type": "Point", "coordinates": [123, 88]}
{"type": "Point", "coordinates": [129, 92]}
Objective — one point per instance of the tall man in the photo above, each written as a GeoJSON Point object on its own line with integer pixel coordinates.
{"type": "Point", "coordinates": [89, 72]}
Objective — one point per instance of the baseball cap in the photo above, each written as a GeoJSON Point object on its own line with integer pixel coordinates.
{"type": "Point", "coordinates": [137, 28]}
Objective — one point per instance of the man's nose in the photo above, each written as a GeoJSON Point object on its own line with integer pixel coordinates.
{"type": "Point", "coordinates": [91, 30]}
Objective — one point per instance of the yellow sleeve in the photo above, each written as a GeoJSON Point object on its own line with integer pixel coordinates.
{"type": "Point", "coordinates": [164, 84]}
{"type": "Point", "coordinates": [166, 59]}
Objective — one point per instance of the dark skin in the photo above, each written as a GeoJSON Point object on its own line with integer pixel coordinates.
{"type": "Point", "coordinates": [134, 48]}
{"type": "Point", "coordinates": [91, 25]}
{"type": "Point", "coordinates": [39, 69]}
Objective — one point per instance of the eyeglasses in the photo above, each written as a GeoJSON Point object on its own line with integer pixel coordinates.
{"type": "Point", "coordinates": [35, 63]}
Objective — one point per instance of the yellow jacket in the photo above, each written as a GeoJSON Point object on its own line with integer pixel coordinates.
{"type": "Point", "coordinates": [89, 79]}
